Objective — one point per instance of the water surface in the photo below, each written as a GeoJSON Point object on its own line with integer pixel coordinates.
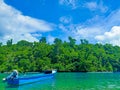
{"type": "Point", "coordinates": [72, 81]}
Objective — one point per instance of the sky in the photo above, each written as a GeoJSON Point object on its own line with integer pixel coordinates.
{"type": "Point", "coordinates": [98, 21]}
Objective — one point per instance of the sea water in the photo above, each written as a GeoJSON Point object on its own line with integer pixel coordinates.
{"type": "Point", "coordinates": [71, 81]}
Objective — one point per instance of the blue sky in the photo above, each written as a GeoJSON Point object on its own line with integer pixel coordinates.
{"type": "Point", "coordinates": [94, 20]}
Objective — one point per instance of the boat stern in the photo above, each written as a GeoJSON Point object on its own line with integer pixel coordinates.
{"type": "Point", "coordinates": [13, 81]}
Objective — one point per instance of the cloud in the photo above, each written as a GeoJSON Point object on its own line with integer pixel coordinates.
{"type": "Point", "coordinates": [91, 5]}
{"type": "Point", "coordinates": [104, 29]}
{"type": "Point", "coordinates": [111, 29]}
{"type": "Point", "coordinates": [66, 19]}
{"type": "Point", "coordinates": [112, 37]}
{"type": "Point", "coordinates": [94, 6]}
{"type": "Point", "coordinates": [87, 30]}
{"type": "Point", "coordinates": [13, 24]}
{"type": "Point", "coordinates": [79, 31]}
{"type": "Point", "coordinates": [71, 3]}
{"type": "Point", "coordinates": [113, 19]}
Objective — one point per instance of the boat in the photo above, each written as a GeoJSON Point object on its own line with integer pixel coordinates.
{"type": "Point", "coordinates": [13, 78]}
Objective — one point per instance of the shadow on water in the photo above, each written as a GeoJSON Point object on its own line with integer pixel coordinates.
{"type": "Point", "coordinates": [33, 86]}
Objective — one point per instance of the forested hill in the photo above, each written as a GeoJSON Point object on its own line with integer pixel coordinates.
{"type": "Point", "coordinates": [63, 56]}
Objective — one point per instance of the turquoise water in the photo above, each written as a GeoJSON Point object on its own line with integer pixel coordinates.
{"type": "Point", "coordinates": [72, 81]}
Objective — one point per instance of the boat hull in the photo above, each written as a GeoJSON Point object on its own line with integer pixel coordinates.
{"type": "Point", "coordinates": [26, 80]}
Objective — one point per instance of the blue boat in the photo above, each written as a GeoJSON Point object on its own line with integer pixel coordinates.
{"type": "Point", "coordinates": [13, 78]}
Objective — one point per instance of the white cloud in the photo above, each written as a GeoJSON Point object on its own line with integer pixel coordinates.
{"type": "Point", "coordinates": [70, 3]}
{"type": "Point", "coordinates": [113, 19]}
{"type": "Point", "coordinates": [98, 29]}
{"type": "Point", "coordinates": [79, 31]}
{"type": "Point", "coordinates": [66, 19]}
{"type": "Point", "coordinates": [93, 6]}
{"type": "Point", "coordinates": [111, 29]}
{"type": "Point", "coordinates": [112, 37]}
{"type": "Point", "coordinates": [17, 26]}
{"type": "Point", "coordinates": [36, 35]}
{"type": "Point", "coordinates": [87, 32]}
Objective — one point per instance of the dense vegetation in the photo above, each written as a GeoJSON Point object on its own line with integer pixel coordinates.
{"type": "Point", "coordinates": [63, 56]}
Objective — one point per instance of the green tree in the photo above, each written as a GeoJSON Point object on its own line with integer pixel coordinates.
{"type": "Point", "coordinates": [9, 42]}
{"type": "Point", "coordinates": [42, 40]}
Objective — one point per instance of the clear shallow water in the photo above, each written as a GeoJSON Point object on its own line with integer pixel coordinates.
{"type": "Point", "coordinates": [72, 81]}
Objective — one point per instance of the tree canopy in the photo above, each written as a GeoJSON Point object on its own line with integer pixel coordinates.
{"type": "Point", "coordinates": [64, 56]}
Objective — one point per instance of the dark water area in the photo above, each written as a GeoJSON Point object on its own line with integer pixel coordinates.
{"type": "Point", "coordinates": [71, 81]}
